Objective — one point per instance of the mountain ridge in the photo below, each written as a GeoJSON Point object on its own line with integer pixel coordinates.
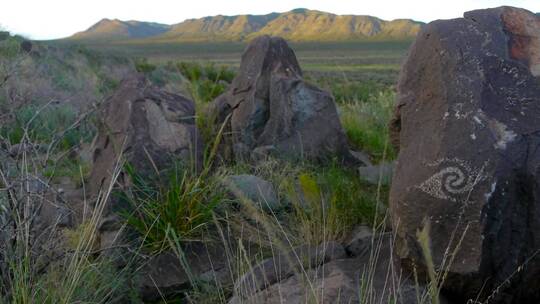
{"type": "Point", "coordinates": [114, 29]}
{"type": "Point", "coordinates": [295, 25]}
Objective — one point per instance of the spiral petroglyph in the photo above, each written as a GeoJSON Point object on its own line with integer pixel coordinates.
{"type": "Point", "coordinates": [456, 178]}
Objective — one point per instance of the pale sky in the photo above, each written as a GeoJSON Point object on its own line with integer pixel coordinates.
{"type": "Point", "coordinates": [48, 19]}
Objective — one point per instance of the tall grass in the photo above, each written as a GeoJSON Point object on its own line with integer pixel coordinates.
{"type": "Point", "coordinates": [43, 127]}
{"type": "Point", "coordinates": [183, 206]}
{"type": "Point", "coordinates": [366, 124]}
{"type": "Point", "coordinates": [28, 273]}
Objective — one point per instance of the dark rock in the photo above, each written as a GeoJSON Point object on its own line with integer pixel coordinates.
{"type": "Point", "coordinates": [363, 279]}
{"type": "Point", "coordinates": [271, 105]}
{"type": "Point", "coordinates": [26, 46]}
{"type": "Point", "coordinates": [165, 276]}
{"type": "Point", "coordinates": [361, 157]}
{"type": "Point", "coordinates": [148, 127]}
{"type": "Point", "coordinates": [283, 266]}
{"type": "Point", "coordinates": [361, 241]}
{"type": "Point", "coordinates": [467, 124]}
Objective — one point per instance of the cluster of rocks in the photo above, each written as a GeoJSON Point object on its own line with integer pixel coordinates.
{"type": "Point", "coordinates": [268, 110]}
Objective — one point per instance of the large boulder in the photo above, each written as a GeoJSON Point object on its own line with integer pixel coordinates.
{"type": "Point", "coordinates": [468, 128]}
{"type": "Point", "coordinates": [274, 111]}
{"type": "Point", "coordinates": [149, 128]}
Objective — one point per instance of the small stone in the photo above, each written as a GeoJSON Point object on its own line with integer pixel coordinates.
{"type": "Point", "coordinates": [255, 189]}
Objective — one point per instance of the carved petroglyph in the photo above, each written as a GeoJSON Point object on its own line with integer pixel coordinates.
{"type": "Point", "coordinates": [455, 178]}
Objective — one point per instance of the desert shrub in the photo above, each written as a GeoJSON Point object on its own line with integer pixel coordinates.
{"type": "Point", "coordinates": [221, 73]}
{"type": "Point", "coordinates": [206, 90]}
{"type": "Point", "coordinates": [206, 82]}
{"type": "Point", "coordinates": [9, 47]}
{"type": "Point", "coordinates": [106, 84]}
{"type": "Point", "coordinates": [192, 71]}
{"type": "Point", "coordinates": [43, 123]}
{"type": "Point", "coordinates": [72, 167]}
{"type": "Point", "coordinates": [366, 125]}
{"type": "Point", "coordinates": [143, 66]}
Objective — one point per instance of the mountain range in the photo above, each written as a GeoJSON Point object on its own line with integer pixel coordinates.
{"type": "Point", "coordinates": [295, 25]}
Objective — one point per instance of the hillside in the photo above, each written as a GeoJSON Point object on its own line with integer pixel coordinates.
{"type": "Point", "coordinates": [107, 29]}
{"type": "Point", "coordinates": [307, 25]}
{"type": "Point", "coordinates": [296, 25]}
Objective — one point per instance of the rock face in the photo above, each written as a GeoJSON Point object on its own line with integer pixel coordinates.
{"type": "Point", "coordinates": [149, 128]}
{"type": "Point", "coordinates": [325, 274]}
{"type": "Point", "coordinates": [274, 111]}
{"type": "Point", "coordinates": [468, 128]}
{"type": "Point", "coordinates": [165, 276]}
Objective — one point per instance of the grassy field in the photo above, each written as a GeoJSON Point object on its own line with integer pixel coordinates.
{"type": "Point", "coordinates": [355, 61]}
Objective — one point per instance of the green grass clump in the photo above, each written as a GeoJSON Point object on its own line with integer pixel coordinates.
{"type": "Point", "coordinates": [329, 202]}
{"type": "Point", "coordinates": [184, 206]}
{"type": "Point", "coordinates": [366, 125]}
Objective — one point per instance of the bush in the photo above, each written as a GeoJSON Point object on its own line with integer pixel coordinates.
{"type": "Point", "coordinates": [143, 66]}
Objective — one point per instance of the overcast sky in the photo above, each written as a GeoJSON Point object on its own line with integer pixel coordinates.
{"type": "Point", "coordinates": [48, 19]}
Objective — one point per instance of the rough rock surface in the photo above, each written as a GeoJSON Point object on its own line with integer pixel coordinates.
{"type": "Point", "coordinates": [377, 174]}
{"type": "Point", "coordinates": [468, 128]}
{"type": "Point", "coordinates": [165, 276]}
{"type": "Point", "coordinates": [255, 189]}
{"type": "Point", "coordinates": [334, 279]}
{"type": "Point", "coordinates": [150, 128]}
{"type": "Point", "coordinates": [285, 265]}
{"type": "Point", "coordinates": [272, 109]}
